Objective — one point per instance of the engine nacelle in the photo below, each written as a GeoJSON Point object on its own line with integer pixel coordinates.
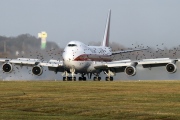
{"type": "Point", "coordinates": [171, 68]}
{"type": "Point", "coordinates": [7, 67]}
{"type": "Point", "coordinates": [37, 70]}
{"type": "Point", "coordinates": [130, 70]}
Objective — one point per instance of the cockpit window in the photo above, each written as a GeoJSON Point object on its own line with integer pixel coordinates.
{"type": "Point", "coordinates": [72, 45]}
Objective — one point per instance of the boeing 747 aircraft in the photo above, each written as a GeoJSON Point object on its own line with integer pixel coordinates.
{"type": "Point", "coordinates": [82, 59]}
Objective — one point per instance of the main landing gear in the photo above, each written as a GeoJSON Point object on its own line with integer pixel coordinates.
{"type": "Point", "coordinates": [97, 78]}
{"type": "Point", "coordinates": [109, 74]}
{"type": "Point", "coordinates": [82, 78]}
{"type": "Point", "coordinates": [109, 78]}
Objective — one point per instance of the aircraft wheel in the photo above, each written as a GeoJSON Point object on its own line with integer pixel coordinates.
{"type": "Point", "coordinates": [84, 78]}
{"type": "Point", "coordinates": [80, 78]}
{"type": "Point", "coordinates": [111, 78]}
{"type": "Point", "coordinates": [95, 79]}
{"type": "Point", "coordinates": [64, 79]}
{"type": "Point", "coordinates": [71, 78]}
{"type": "Point", "coordinates": [107, 78]}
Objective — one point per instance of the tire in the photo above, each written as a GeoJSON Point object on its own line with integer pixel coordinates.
{"type": "Point", "coordinates": [84, 78]}
{"type": "Point", "coordinates": [80, 78]}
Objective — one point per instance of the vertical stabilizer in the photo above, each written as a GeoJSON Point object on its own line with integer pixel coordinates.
{"type": "Point", "coordinates": [105, 41]}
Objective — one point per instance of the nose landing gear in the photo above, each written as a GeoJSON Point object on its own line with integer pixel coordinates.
{"type": "Point", "coordinates": [109, 74]}
{"type": "Point", "coordinates": [66, 74]}
{"type": "Point", "coordinates": [72, 78]}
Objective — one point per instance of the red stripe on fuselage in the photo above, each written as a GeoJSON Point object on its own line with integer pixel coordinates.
{"type": "Point", "coordinates": [93, 57]}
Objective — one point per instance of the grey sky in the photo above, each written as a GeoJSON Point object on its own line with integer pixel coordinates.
{"type": "Point", "coordinates": [147, 22]}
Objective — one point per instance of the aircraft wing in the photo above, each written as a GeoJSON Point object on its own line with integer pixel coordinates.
{"type": "Point", "coordinates": [20, 61]}
{"type": "Point", "coordinates": [29, 61]}
{"type": "Point", "coordinates": [129, 66]}
{"type": "Point", "coordinates": [126, 51]}
{"type": "Point", "coordinates": [114, 66]}
{"type": "Point", "coordinates": [156, 62]}
{"type": "Point", "coordinates": [53, 65]}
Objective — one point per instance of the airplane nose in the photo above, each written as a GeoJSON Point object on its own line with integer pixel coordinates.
{"type": "Point", "coordinates": [66, 56]}
{"type": "Point", "coordinates": [71, 53]}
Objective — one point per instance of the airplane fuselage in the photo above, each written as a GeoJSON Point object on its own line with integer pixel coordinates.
{"type": "Point", "coordinates": [81, 57]}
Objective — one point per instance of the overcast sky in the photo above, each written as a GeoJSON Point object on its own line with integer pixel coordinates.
{"type": "Point", "coordinates": [147, 22]}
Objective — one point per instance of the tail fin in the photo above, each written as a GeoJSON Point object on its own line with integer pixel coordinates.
{"type": "Point", "coordinates": [105, 41]}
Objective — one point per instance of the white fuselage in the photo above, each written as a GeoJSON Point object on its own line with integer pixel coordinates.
{"type": "Point", "coordinates": [81, 57]}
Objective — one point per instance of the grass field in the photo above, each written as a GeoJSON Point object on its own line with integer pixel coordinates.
{"type": "Point", "coordinates": [90, 100]}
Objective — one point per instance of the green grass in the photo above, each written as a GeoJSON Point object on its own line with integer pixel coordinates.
{"type": "Point", "coordinates": [144, 100]}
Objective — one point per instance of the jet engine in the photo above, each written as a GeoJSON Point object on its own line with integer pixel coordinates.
{"type": "Point", "coordinates": [37, 70]}
{"type": "Point", "coordinates": [7, 67]}
{"type": "Point", "coordinates": [130, 70]}
{"type": "Point", "coordinates": [171, 68]}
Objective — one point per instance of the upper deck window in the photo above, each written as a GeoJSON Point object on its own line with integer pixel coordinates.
{"type": "Point", "coordinates": [72, 45]}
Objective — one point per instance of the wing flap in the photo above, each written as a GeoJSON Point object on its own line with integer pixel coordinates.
{"type": "Point", "coordinates": [15, 61]}
{"type": "Point", "coordinates": [52, 63]}
{"type": "Point", "coordinates": [114, 64]}
{"type": "Point", "coordinates": [157, 61]}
